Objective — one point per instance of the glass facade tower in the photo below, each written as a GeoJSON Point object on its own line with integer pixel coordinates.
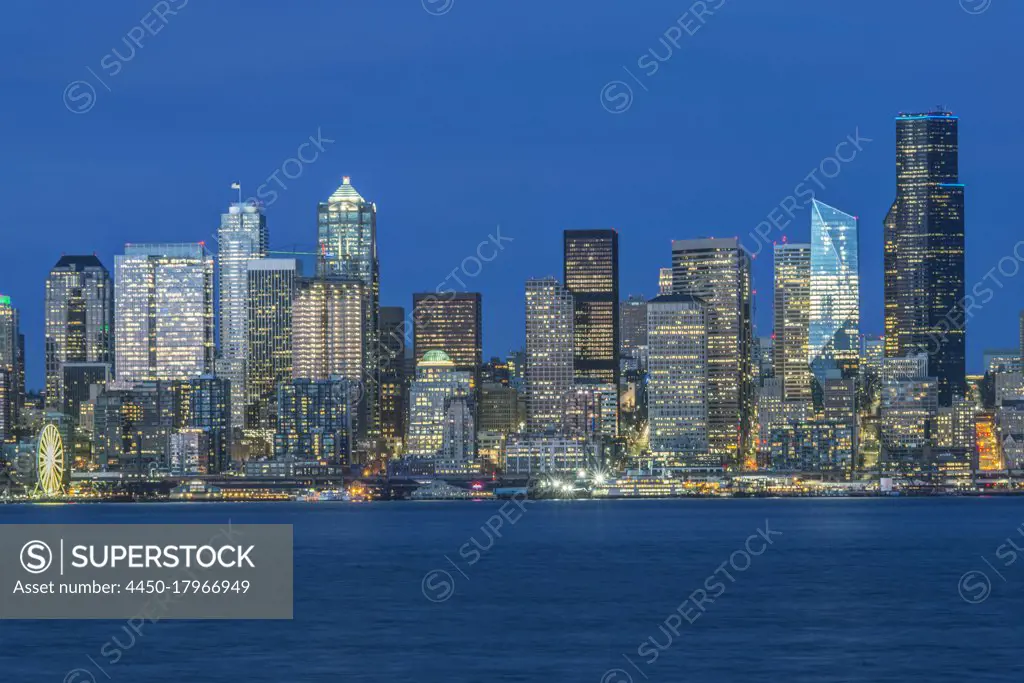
{"type": "Point", "coordinates": [835, 292]}
{"type": "Point", "coordinates": [242, 237]}
{"type": "Point", "coordinates": [591, 268]}
{"type": "Point", "coordinates": [924, 250]}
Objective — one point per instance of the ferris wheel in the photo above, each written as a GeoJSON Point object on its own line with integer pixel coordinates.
{"type": "Point", "coordinates": [50, 461]}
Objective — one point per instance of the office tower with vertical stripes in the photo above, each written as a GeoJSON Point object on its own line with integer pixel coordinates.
{"type": "Point", "coordinates": [591, 269]}
{"type": "Point", "coordinates": [163, 308]}
{"type": "Point", "coordinates": [242, 238]}
{"type": "Point", "coordinates": [792, 320]}
{"type": "Point", "coordinates": [717, 271]}
{"type": "Point", "coordinates": [549, 353]}
{"type": "Point", "coordinates": [924, 251]}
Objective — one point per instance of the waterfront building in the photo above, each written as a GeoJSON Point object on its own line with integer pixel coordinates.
{"type": "Point", "coordinates": [591, 275]}
{"type": "Point", "coordinates": [550, 454]}
{"type": "Point", "coordinates": [241, 238]}
{"type": "Point", "coordinates": [821, 447]}
{"type": "Point", "coordinates": [203, 406]}
{"type": "Point", "coordinates": [271, 292]}
{"type": "Point", "coordinates": [677, 400]}
{"type": "Point", "coordinates": [163, 306]}
{"type": "Point", "coordinates": [131, 426]}
{"type": "Point", "coordinates": [835, 292]}
{"type": "Point", "coordinates": [717, 271]}
{"type": "Point", "coordinates": [314, 420]}
{"type": "Point", "coordinates": [347, 234]}
{"type": "Point", "coordinates": [791, 343]}
{"type": "Point", "coordinates": [453, 323]}
{"type": "Point", "coordinates": [458, 442]}
{"type": "Point", "coordinates": [549, 352]}
{"type": "Point", "coordinates": [79, 320]}
{"type": "Point", "coordinates": [924, 250]}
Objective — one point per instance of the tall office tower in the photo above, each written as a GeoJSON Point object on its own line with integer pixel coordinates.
{"type": "Point", "coordinates": [163, 308]}
{"type": "Point", "coordinates": [242, 238]}
{"type": "Point", "coordinates": [677, 405]}
{"type": "Point", "coordinates": [79, 320]}
{"type": "Point", "coordinates": [924, 250]}
{"type": "Point", "coordinates": [452, 323]}
{"type": "Point", "coordinates": [591, 266]}
{"type": "Point", "coordinates": [717, 271]}
{"type": "Point", "coordinates": [633, 326]}
{"type": "Point", "coordinates": [327, 330]}
{"type": "Point", "coordinates": [314, 420]}
{"type": "Point", "coordinates": [549, 352]}
{"type": "Point", "coordinates": [839, 398]}
{"type": "Point", "coordinates": [664, 281]}
{"type": "Point", "coordinates": [909, 410]}
{"type": "Point", "coordinates": [10, 399]}
{"type": "Point", "coordinates": [793, 320]}
{"type": "Point", "coordinates": [437, 382]}
{"type": "Point", "coordinates": [835, 292]}
{"type": "Point", "coordinates": [347, 233]}
{"type": "Point", "coordinates": [391, 349]}
{"type": "Point", "coordinates": [270, 291]}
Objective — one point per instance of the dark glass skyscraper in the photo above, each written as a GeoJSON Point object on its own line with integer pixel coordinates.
{"type": "Point", "coordinates": [452, 323]}
{"type": "Point", "coordinates": [924, 250]}
{"type": "Point", "coordinates": [592, 277]}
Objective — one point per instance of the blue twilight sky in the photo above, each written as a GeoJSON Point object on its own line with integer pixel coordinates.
{"type": "Point", "coordinates": [456, 116]}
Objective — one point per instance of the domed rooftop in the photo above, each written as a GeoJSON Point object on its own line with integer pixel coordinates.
{"type": "Point", "coordinates": [436, 356]}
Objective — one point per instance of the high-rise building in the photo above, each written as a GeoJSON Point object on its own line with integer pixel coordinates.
{"type": "Point", "coordinates": [549, 352]}
{"type": "Point", "coordinates": [203, 406]}
{"type": "Point", "coordinates": [347, 232]}
{"type": "Point", "coordinates": [664, 281]}
{"type": "Point", "coordinates": [591, 267]}
{"type": "Point", "coordinates": [79, 320]}
{"type": "Point", "coordinates": [242, 238]}
{"type": "Point", "coordinates": [393, 384]}
{"type": "Point", "coordinates": [791, 345]}
{"type": "Point", "coordinates": [163, 307]}
{"type": "Point", "coordinates": [677, 404]}
{"type": "Point", "coordinates": [271, 293]}
{"type": "Point", "coordinates": [633, 326]}
{"type": "Point", "coordinates": [132, 426]}
{"type": "Point", "coordinates": [327, 330]}
{"type": "Point", "coordinates": [924, 250]}
{"type": "Point", "coordinates": [717, 271]}
{"type": "Point", "coordinates": [10, 361]}
{"type": "Point", "coordinates": [835, 292]}
{"type": "Point", "coordinates": [452, 323]}
{"type": "Point", "coordinates": [437, 383]}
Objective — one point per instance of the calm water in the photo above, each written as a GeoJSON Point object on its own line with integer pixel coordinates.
{"type": "Point", "coordinates": [852, 590]}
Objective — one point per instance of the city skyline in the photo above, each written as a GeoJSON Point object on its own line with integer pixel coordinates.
{"type": "Point", "coordinates": [718, 170]}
